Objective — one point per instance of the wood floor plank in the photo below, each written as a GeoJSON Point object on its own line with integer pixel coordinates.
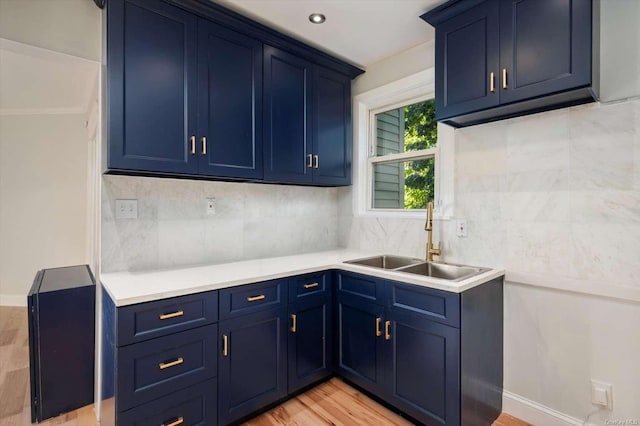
{"type": "Point", "coordinates": [8, 336]}
{"type": "Point", "coordinates": [331, 403]}
{"type": "Point", "coordinates": [12, 391]}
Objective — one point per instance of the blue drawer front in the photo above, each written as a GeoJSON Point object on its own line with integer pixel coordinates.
{"type": "Point", "coordinates": [437, 305]}
{"type": "Point", "coordinates": [158, 367]}
{"type": "Point", "coordinates": [251, 298]}
{"type": "Point", "coordinates": [310, 286]}
{"type": "Point", "coordinates": [362, 288]}
{"type": "Point", "coordinates": [145, 321]}
{"type": "Point", "coordinates": [196, 405]}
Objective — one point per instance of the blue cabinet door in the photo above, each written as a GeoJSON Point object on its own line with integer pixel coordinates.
{"type": "Point", "coordinates": [360, 343]}
{"type": "Point", "coordinates": [467, 53]}
{"type": "Point", "coordinates": [287, 117]}
{"type": "Point", "coordinates": [545, 47]}
{"type": "Point", "coordinates": [252, 368]}
{"type": "Point", "coordinates": [422, 376]}
{"type": "Point", "coordinates": [151, 87]}
{"type": "Point", "coordinates": [331, 128]}
{"type": "Point", "coordinates": [229, 103]}
{"type": "Point", "coordinates": [310, 345]}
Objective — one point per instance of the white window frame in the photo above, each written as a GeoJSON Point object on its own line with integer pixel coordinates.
{"type": "Point", "coordinates": [373, 159]}
{"type": "Point", "coordinates": [405, 91]}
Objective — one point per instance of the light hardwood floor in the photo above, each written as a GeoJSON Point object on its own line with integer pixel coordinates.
{"type": "Point", "coordinates": [331, 403]}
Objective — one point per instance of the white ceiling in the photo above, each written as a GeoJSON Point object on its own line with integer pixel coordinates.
{"type": "Point", "coordinates": [39, 81]}
{"type": "Point", "coordinates": [360, 31]}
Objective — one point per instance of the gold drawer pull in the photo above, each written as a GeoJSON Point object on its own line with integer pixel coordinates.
{"type": "Point", "coordinates": [294, 325]}
{"type": "Point", "coordinates": [492, 82]}
{"type": "Point", "coordinates": [255, 298]}
{"type": "Point", "coordinates": [175, 423]}
{"type": "Point", "coordinates": [311, 285]}
{"type": "Point", "coordinates": [204, 145]}
{"type": "Point", "coordinates": [317, 158]}
{"type": "Point", "coordinates": [378, 330]}
{"type": "Point", "coordinates": [504, 78]}
{"type": "Point", "coordinates": [387, 331]}
{"type": "Point", "coordinates": [193, 145]}
{"type": "Point", "coordinates": [309, 161]}
{"type": "Point", "coordinates": [164, 365]}
{"type": "Point", "coordinates": [225, 345]}
{"type": "Point", "coordinates": [172, 315]}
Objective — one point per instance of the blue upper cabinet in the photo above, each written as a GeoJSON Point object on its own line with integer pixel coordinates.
{"type": "Point", "coordinates": [331, 128]}
{"type": "Point", "coordinates": [287, 119]}
{"type": "Point", "coordinates": [502, 58]}
{"type": "Point", "coordinates": [191, 91]}
{"type": "Point", "coordinates": [467, 61]}
{"type": "Point", "coordinates": [151, 114]}
{"type": "Point", "coordinates": [307, 127]}
{"type": "Point", "coordinates": [229, 103]}
{"type": "Point", "coordinates": [545, 47]}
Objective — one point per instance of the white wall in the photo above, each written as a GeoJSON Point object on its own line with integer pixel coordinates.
{"type": "Point", "coordinates": [68, 26]}
{"type": "Point", "coordinates": [619, 47]}
{"type": "Point", "coordinates": [251, 221]}
{"type": "Point", "coordinates": [555, 199]}
{"type": "Point", "coordinates": [47, 82]}
{"type": "Point", "coordinates": [403, 64]}
{"type": "Point", "coordinates": [43, 171]}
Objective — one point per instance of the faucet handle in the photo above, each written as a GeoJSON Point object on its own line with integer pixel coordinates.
{"type": "Point", "coordinates": [437, 250]}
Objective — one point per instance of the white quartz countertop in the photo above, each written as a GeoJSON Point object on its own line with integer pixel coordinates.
{"type": "Point", "coordinates": [127, 288]}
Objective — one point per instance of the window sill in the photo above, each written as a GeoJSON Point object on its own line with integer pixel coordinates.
{"type": "Point", "coordinates": [390, 214]}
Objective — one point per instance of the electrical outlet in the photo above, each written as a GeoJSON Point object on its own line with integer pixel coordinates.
{"type": "Point", "coordinates": [461, 228]}
{"type": "Point", "coordinates": [601, 394]}
{"type": "Point", "coordinates": [211, 206]}
{"type": "Point", "coordinates": [126, 209]}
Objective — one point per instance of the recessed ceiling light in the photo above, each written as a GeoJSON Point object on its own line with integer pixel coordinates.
{"type": "Point", "coordinates": [317, 18]}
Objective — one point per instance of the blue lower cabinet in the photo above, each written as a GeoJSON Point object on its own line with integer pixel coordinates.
{"type": "Point", "coordinates": [360, 356]}
{"type": "Point", "coordinates": [196, 405]}
{"type": "Point", "coordinates": [423, 369]}
{"type": "Point", "coordinates": [252, 370]}
{"type": "Point", "coordinates": [310, 343]}
{"type": "Point", "coordinates": [157, 367]}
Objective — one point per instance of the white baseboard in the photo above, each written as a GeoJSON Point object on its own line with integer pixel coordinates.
{"type": "Point", "coordinates": [534, 413]}
{"type": "Point", "coordinates": [13, 300]}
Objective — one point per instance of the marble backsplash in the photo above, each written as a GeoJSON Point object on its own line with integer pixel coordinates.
{"type": "Point", "coordinates": [555, 194]}
{"type": "Point", "coordinates": [251, 221]}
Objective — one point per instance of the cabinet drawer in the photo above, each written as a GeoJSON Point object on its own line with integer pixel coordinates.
{"type": "Point", "coordinates": [436, 305]}
{"type": "Point", "coordinates": [360, 287]}
{"type": "Point", "coordinates": [195, 405]}
{"type": "Point", "coordinates": [154, 319]}
{"type": "Point", "coordinates": [251, 298]}
{"type": "Point", "coordinates": [310, 286]}
{"type": "Point", "coordinates": [159, 367]}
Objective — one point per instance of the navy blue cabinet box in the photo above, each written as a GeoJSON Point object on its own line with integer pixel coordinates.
{"type": "Point", "coordinates": [61, 340]}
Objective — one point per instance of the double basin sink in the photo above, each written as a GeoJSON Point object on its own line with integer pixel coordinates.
{"type": "Point", "coordinates": [443, 271]}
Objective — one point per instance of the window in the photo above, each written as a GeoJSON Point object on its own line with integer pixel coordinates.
{"type": "Point", "coordinates": [421, 160]}
{"type": "Point", "coordinates": [403, 152]}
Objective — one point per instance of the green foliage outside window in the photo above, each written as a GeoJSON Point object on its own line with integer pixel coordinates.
{"type": "Point", "coordinates": [420, 132]}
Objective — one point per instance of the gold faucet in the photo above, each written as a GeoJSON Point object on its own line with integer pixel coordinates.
{"type": "Point", "coordinates": [431, 250]}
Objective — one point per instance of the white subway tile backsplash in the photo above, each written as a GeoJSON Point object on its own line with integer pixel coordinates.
{"type": "Point", "coordinates": [533, 207]}
{"type": "Point", "coordinates": [541, 248]}
{"type": "Point", "coordinates": [251, 221]}
{"type": "Point", "coordinates": [539, 180]}
{"type": "Point", "coordinates": [607, 252]}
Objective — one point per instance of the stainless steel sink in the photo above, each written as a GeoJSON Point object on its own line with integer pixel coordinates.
{"type": "Point", "coordinates": [443, 271]}
{"type": "Point", "coordinates": [386, 261]}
